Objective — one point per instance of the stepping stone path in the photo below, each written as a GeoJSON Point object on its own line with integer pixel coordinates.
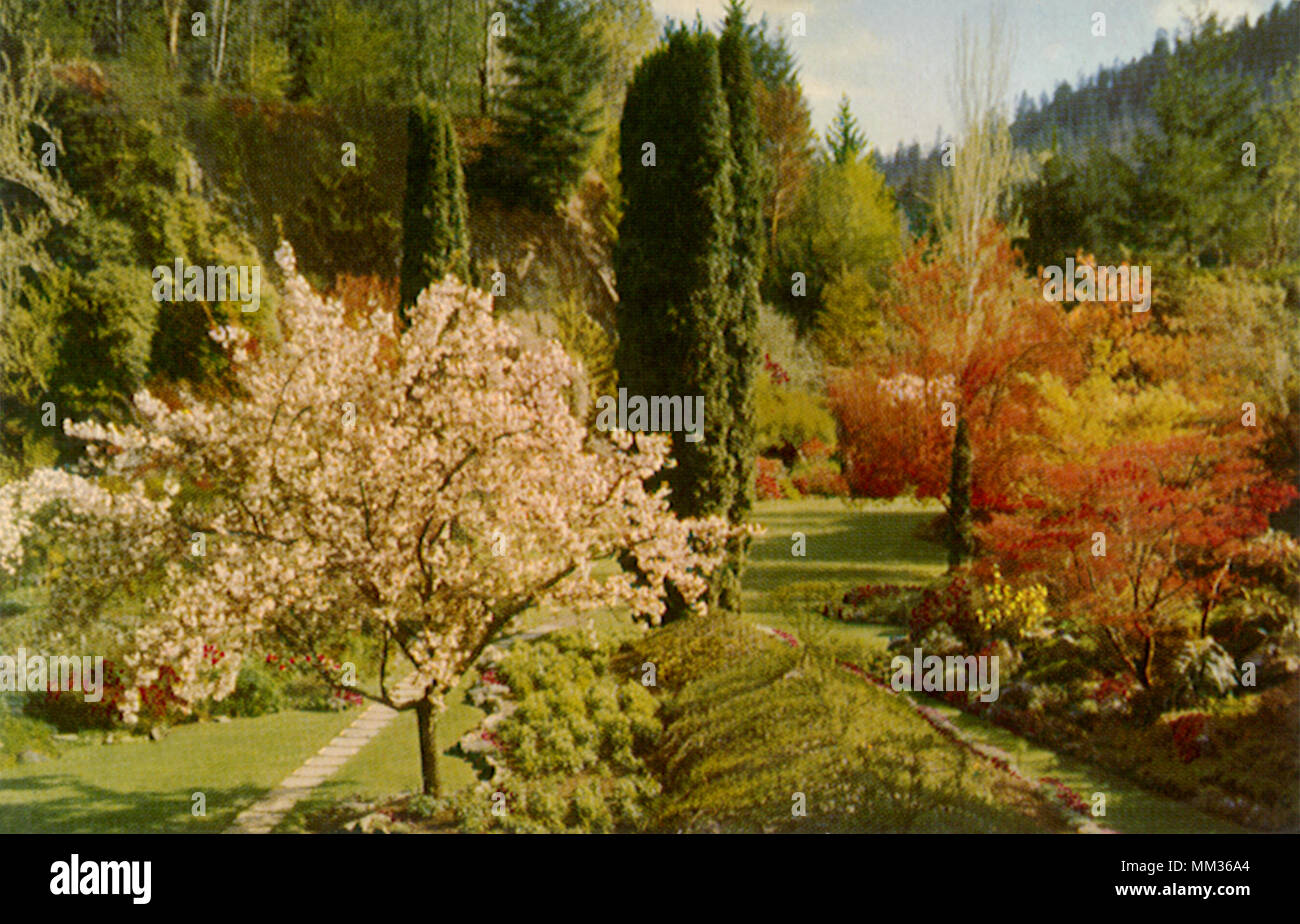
{"type": "Point", "coordinates": [261, 817]}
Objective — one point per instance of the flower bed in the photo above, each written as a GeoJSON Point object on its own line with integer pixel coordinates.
{"type": "Point", "coordinates": [871, 603]}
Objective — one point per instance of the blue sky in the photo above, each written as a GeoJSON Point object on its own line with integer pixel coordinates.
{"type": "Point", "coordinates": [894, 57]}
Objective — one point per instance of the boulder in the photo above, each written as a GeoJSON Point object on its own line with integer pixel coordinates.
{"type": "Point", "coordinates": [377, 823]}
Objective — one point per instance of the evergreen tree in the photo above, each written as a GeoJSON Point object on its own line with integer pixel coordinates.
{"type": "Point", "coordinates": [550, 109]}
{"type": "Point", "coordinates": [674, 259]}
{"type": "Point", "coordinates": [845, 228]}
{"type": "Point", "coordinates": [845, 141]}
{"type": "Point", "coordinates": [1080, 202]}
{"type": "Point", "coordinates": [739, 88]}
{"type": "Point", "coordinates": [435, 229]}
{"type": "Point", "coordinates": [773, 59]}
{"type": "Point", "coordinates": [303, 17]}
{"type": "Point", "coordinates": [960, 526]}
{"type": "Point", "coordinates": [1280, 169]}
{"type": "Point", "coordinates": [353, 61]}
{"type": "Point", "coordinates": [1195, 182]}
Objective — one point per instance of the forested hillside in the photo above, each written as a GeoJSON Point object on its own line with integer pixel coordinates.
{"type": "Point", "coordinates": [1109, 111]}
{"type": "Point", "coordinates": [1114, 103]}
{"type": "Point", "coordinates": [213, 131]}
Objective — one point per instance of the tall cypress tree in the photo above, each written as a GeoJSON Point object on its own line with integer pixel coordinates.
{"type": "Point", "coordinates": [960, 529]}
{"type": "Point", "coordinates": [303, 20]}
{"type": "Point", "coordinates": [673, 258]}
{"type": "Point", "coordinates": [746, 268]}
{"type": "Point", "coordinates": [435, 228]}
{"type": "Point", "coordinates": [549, 109]}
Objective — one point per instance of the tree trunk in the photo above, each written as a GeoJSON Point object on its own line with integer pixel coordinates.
{"type": "Point", "coordinates": [212, 42]}
{"type": "Point", "coordinates": [485, 19]}
{"type": "Point", "coordinates": [1148, 656]}
{"type": "Point", "coordinates": [173, 32]}
{"type": "Point", "coordinates": [427, 720]}
{"type": "Point", "coordinates": [728, 577]}
{"type": "Point", "coordinates": [446, 56]}
{"type": "Point", "coordinates": [220, 61]}
{"type": "Point", "coordinates": [254, 17]}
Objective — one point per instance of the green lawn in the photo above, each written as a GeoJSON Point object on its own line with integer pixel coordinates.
{"type": "Point", "coordinates": [1129, 808]}
{"type": "Point", "coordinates": [147, 786]}
{"type": "Point", "coordinates": [390, 763]}
{"type": "Point", "coordinates": [858, 543]}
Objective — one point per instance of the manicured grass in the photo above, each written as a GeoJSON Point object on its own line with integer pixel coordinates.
{"type": "Point", "coordinates": [850, 544]}
{"type": "Point", "coordinates": [876, 544]}
{"type": "Point", "coordinates": [847, 544]}
{"type": "Point", "coordinates": [1129, 808]}
{"type": "Point", "coordinates": [390, 763]}
{"type": "Point", "coordinates": [767, 732]}
{"type": "Point", "coordinates": [147, 786]}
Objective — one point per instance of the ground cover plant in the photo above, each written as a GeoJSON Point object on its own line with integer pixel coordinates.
{"type": "Point", "coordinates": [748, 747]}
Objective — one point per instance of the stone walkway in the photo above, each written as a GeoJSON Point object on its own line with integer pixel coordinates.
{"type": "Point", "coordinates": [262, 816]}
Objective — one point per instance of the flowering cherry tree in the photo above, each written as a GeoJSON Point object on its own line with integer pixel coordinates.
{"type": "Point", "coordinates": [421, 486]}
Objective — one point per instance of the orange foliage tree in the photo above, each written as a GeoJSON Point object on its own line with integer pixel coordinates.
{"type": "Point", "coordinates": [973, 339]}
{"type": "Point", "coordinates": [1138, 538]}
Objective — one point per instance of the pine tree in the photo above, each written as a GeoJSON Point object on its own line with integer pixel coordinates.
{"type": "Point", "coordinates": [843, 138]}
{"type": "Point", "coordinates": [435, 230]}
{"type": "Point", "coordinates": [960, 526]}
{"type": "Point", "coordinates": [1195, 181]}
{"type": "Point", "coordinates": [1280, 176]}
{"type": "Point", "coordinates": [673, 258]}
{"type": "Point", "coordinates": [550, 109]}
{"type": "Point", "coordinates": [739, 87]}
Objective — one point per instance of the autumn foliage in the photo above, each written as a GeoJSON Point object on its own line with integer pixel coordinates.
{"type": "Point", "coordinates": [1140, 539]}
{"type": "Point", "coordinates": [976, 346]}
